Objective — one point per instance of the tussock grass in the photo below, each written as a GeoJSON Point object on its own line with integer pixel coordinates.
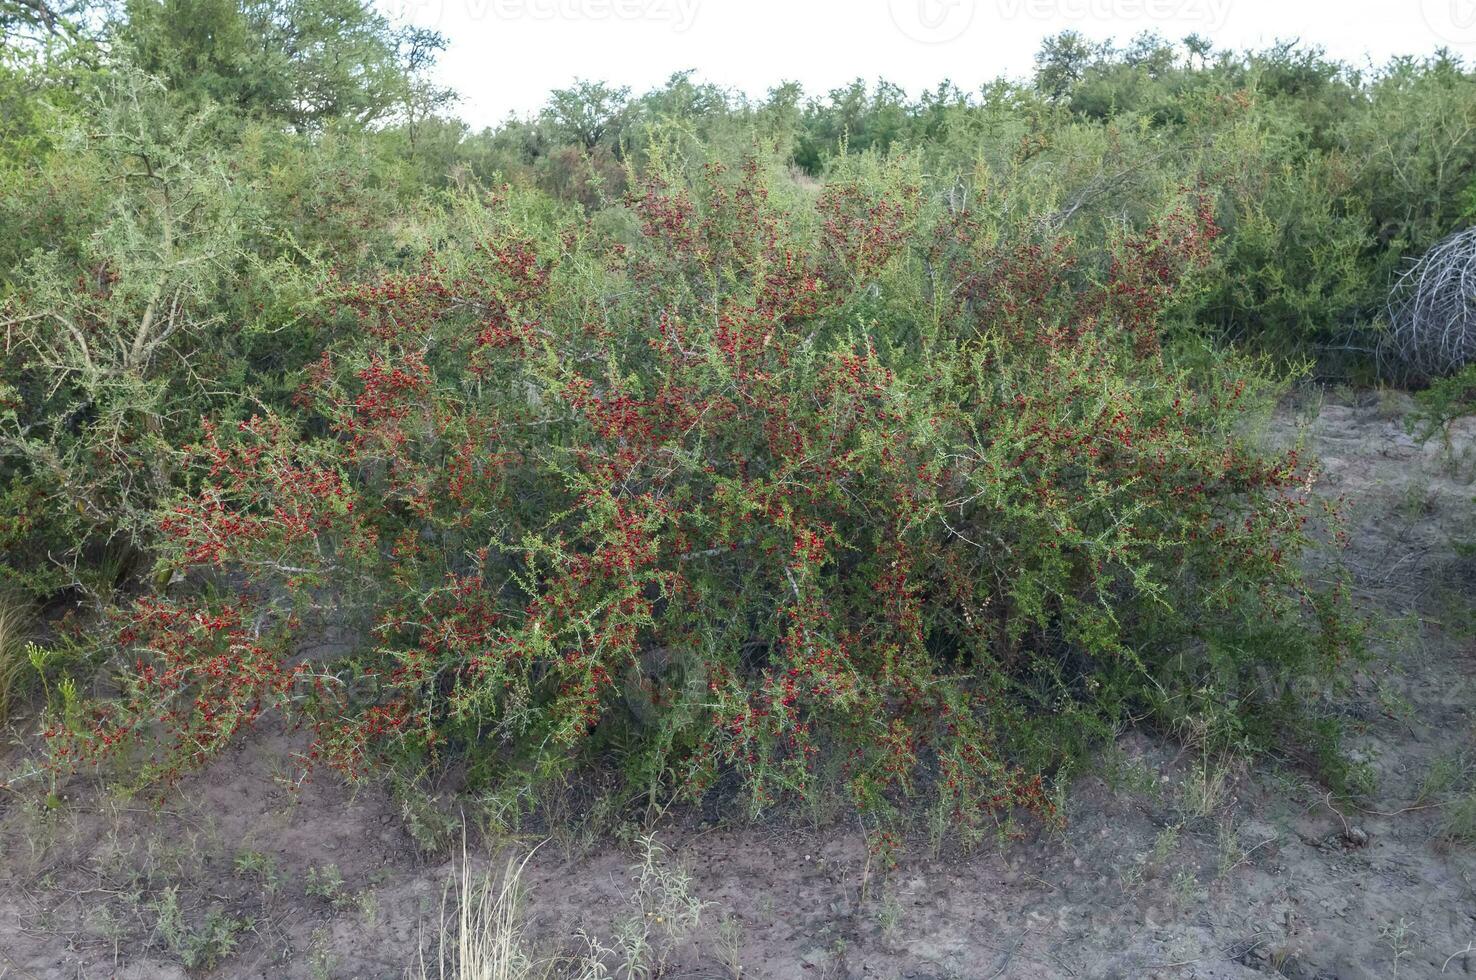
{"type": "Point", "coordinates": [481, 937]}
{"type": "Point", "coordinates": [15, 627]}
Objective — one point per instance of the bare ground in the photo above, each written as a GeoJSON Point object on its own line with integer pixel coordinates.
{"type": "Point", "coordinates": [1170, 864]}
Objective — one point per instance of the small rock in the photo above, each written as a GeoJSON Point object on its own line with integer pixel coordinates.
{"type": "Point", "coordinates": [814, 959]}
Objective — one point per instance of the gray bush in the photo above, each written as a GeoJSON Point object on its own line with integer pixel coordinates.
{"type": "Point", "coordinates": [1432, 312]}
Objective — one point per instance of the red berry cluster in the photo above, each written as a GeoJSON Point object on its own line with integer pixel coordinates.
{"type": "Point", "coordinates": [669, 481]}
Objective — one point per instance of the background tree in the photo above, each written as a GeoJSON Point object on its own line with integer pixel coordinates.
{"type": "Point", "coordinates": [587, 114]}
{"type": "Point", "coordinates": [306, 62]}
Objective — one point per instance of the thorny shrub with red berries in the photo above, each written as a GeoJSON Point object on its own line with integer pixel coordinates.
{"type": "Point", "coordinates": [840, 493]}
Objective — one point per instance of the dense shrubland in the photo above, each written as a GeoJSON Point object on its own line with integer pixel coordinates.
{"type": "Point", "coordinates": [765, 447]}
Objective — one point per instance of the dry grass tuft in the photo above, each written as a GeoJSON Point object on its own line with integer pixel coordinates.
{"type": "Point", "coordinates": [482, 939]}
{"type": "Point", "coordinates": [15, 627]}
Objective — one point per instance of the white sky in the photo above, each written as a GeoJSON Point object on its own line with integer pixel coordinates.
{"type": "Point", "coordinates": [506, 55]}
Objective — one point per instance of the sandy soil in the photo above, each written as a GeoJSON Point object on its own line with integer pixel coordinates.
{"type": "Point", "coordinates": [1169, 865]}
